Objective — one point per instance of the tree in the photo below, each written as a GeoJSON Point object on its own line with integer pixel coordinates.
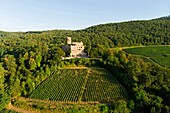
{"type": "Point", "coordinates": [38, 59]}
{"type": "Point", "coordinates": [47, 70]}
{"type": "Point", "coordinates": [121, 107]}
{"type": "Point", "coordinates": [16, 91]}
{"type": "Point", "coordinates": [32, 64]}
{"type": "Point", "coordinates": [131, 105]}
{"type": "Point", "coordinates": [4, 100]}
{"type": "Point", "coordinates": [2, 79]}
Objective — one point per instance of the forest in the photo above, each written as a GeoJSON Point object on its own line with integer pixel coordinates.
{"type": "Point", "coordinates": [28, 58]}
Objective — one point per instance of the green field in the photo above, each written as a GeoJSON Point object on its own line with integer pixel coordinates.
{"type": "Point", "coordinates": [159, 54]}
{"type": "Point", "coordinates": [73, 85]}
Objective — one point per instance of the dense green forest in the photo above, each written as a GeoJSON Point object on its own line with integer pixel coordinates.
{"type": "Point", "coordinates": [28, 58]}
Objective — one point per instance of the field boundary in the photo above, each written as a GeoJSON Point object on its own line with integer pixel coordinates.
{"type": "Point", "coordinates": [150, 59]}
{"type": "Point", "coordinates": [30, 104]}
{"type": "Point", "coordinates": [84, 85]}
{"type": "Point", "coordinates": [17, 109]}
{"type": "Point", "coordinates": [55, 102]}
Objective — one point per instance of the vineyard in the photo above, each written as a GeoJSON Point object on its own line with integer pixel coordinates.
{"type": "Point", "coordinates": [102, 86]}
{"type": "Point", "coordinates": [159, 54]}
{"type": "Point", "coordinates": [74, 85]}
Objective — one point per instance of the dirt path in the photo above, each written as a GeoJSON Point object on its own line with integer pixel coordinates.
{"type": "Point", "coordinates": [11, 107]}
{"type": "Point", "coordinates": [81, 68]}
{"type": "Point", "coordinates": [74, 68]}
{"type": "Point", "coordinates": [55, 102]}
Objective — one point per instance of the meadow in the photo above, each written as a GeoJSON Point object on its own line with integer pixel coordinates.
{"type": "Point", "coordinates": [159, 54]}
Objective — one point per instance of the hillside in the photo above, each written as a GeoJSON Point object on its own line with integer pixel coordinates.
{"type": "Point", "coordinates": [143, 32]}
{"type": "Point", "coordinates": [131, 33]}
{"type": "Point", "coordinates": [146, 32]}
{"type": "Point", "coordinates": [28, 60]}
{"type": "Point", "coordinates": [80, 85]}
{"type": "Point", "coordinates": [159, 54]}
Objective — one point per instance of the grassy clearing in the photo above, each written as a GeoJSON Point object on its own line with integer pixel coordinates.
{"type": "Point", "coordinates": [44, 106]}
{"type": "Point", "coordinates": [159, 54]}
{"type": "Point", "coordinates": [75, 85]}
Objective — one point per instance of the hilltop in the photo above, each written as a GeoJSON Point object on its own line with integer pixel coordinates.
{"type": "Point", "coordinates": [123, 34]}
{"type": "Point", "coordinates": [143, 32]}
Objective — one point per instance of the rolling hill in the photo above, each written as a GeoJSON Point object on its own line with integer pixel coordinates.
{"type": "Point", "coordinates": [143, 32]}
{"type": "Point", "coordinates": [30, 66]}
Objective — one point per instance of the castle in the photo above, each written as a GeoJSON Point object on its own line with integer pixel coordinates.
{"type": "Point", "coordinates": [76, 48]}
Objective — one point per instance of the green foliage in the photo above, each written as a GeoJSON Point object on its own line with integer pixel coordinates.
{"type": "Point", "coordinates": [132, 33]}
{"type": "Point", "coordinates": [2, 78]}
{"type": "Point", "coordinates": [121, 107]}
{"type": "Point", "coordinates": [38, 59]}
{"type": "Point", "coordinates": [28, 58]}
{"type": "Point", "coordinates": [143, 80]}
{"type": "Point", "coordinates": [87, 62]}
{"type": "Point", "coordinates": [131, 105]}
{"type": "Point", "coordinates": [4, 100]}
{"type": "Point", "coordinates": [104, 109]}
{"type": "Point", "coordinates": [8, 111]}
{"type": "Point", "coordinates": [32, 64]}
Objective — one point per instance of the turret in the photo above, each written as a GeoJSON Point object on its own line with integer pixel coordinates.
{"type": "Point", "coordinates": [68, 40]}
